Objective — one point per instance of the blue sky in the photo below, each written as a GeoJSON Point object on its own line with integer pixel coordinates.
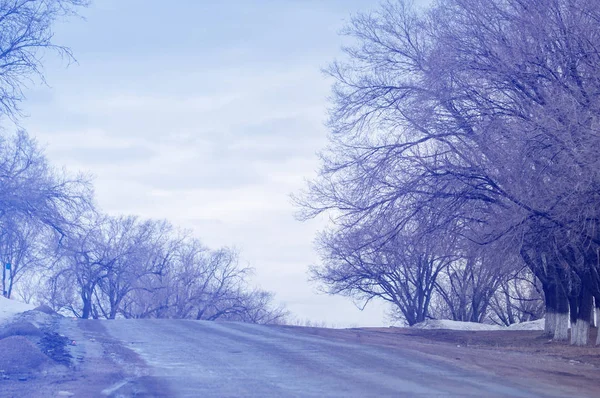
{"type": "Point", "coordinates": [208, 114]}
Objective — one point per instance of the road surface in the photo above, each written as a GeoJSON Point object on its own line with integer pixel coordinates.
{"type": "Point", "coordinates": [208, 359]}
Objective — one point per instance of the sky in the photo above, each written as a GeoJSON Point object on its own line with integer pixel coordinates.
{"type": "Point", "coordinates": [208, 114]}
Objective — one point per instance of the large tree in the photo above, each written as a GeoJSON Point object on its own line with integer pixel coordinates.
{"type": "Point", "coordinates": [483, 111]}
{"type": "Point", "coordinates": [402, 269]}
{"type": "Point", "coordinates": [35, 202]}
{"type": "Point", "coordinates": [34, 196]}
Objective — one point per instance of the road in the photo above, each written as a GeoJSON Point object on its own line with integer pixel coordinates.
{"type": "Point", "coordinates": [209, 359]}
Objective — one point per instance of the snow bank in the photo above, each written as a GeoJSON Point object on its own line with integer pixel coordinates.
{"type": "Point", "coordinates": [9, 308]}
{"type": "Point", "coordinates": [456, 325]}
{"type": "Point", "coordinates": [532, 325]}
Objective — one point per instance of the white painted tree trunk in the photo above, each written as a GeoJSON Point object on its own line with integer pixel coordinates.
{"type": "Point", "coordinates": [574, 331]}
{"type": "Point", "coordinates": [561, 331]}
{"type": "Point", "coordinates": [598, 320]}
{"type": "Point", "coordinates": [550, 324]}
{"type": "Point", "coordinates": [584, 333]}
{"type": "Point", "coordinates": [580, 333]}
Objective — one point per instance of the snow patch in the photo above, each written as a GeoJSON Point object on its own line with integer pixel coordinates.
{"type": "Point", "coordinates": [10, 308]}
{"type": "Point", "coordinates": [457, 325]}
{"type": "Point", "coordinates": [531, 325]}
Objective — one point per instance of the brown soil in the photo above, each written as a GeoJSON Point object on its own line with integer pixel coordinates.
{"type": "Point", "coordinates": [20, 329]}
{"type": "Point", "coordinates": [115, 371]}
{"type": "Point", "coordinates": [118, 364]}
{"type": "Point", "coordinates": [55, 346]}
{"type": "Point", "coordinates": [45, 309]}
{"type": "Point", "coordinates": [521, 356]}
{"type": "Point", "coordinates": [531, 342]}
{"type": "Point", "coordinates": [20, 356]}
{"type": "Point", "coordinates": [118, 372]}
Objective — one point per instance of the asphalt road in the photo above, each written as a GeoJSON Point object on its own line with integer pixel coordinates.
{"type": "Point", "coordinates": [208, 359]}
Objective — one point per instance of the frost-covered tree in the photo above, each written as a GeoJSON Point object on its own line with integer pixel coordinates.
{"type": "Point", "coordinates": [35, 202]}
{"type": "Point", "coordinates": [402, 269]}
{"type": "Point", "coordinates": [21, 251]}
{"type": "Point", "coordinates": [128, 267]}
{"type": "Point", "coordinates": [26, 34]}
{"type": "Point", "coordinates": [518, 299]}
{"type": "Point", "coordinates": [484, 112]}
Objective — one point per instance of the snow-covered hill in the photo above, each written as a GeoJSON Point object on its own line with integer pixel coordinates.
{"type": "Point", "coordinates": [9, 308]}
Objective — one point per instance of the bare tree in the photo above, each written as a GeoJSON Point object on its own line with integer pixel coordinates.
{"type": "Point", "coordinates": [21, 249]}
{"type": "Point", "coordinates": [518, 299]}
{"type": "Point", "coordinates": [35, 201]}
{"type": "Point", "coordinates": [191, 281]}
{"type": "Point", "coordinates": [82, 262]}
{"type": "Point", "coordinates": [469, 284]}
{"type": "Point", "coordinates": [401, 270]}
{"type": "Point", "coordinates": [482, 111]}
{"type": "Point", "coordinates": [32, 189]}
{"type": "Point", "coordinates": [259, 308]}
{"type": "Point", "coordinates": [139, 249]}
{"type": "Point", "coordinates": [26, 33]}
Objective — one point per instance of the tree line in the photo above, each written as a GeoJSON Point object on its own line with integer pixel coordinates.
{"type": "Point", "coordinates": [462, 176]}
{"type": "Point", "coordinates": [58, 248]}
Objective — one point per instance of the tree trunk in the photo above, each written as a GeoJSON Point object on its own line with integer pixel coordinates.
{"type": "Point", "coordinates": [550, 299]}
{"type": "Point", "coordinates": [573, 309]}
{"type": "Point", "coordinates": [561, 316]}
{"type": "Point", "coordinates": [593, 314]}
{"type": "Point", "coordinates": [509, 310]}
{"type": "Point", "coordinates": [597, 320]}
{"type": "Point", "coordinates": [87, 308]}
{"type": "Point", "coordinates": [580, 333]}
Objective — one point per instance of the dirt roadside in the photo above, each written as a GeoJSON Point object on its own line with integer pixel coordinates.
{"type": "Point", "coordinates": [104, 367]}
{"type": "Point", "coordinates": [520, 356]}
{"type": "Point", "coordinates": [82, 361]}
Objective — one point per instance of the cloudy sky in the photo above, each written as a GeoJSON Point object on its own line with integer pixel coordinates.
{"type": "Point", "coordinates": [208, 114]}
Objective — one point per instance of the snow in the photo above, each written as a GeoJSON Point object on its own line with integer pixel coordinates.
{"type": "Point", "coordinates": [532, 325]}
{"type": "Point", "coordinates": [10, 308]}
{"type": "Point", "coordinates": [456, 325]}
